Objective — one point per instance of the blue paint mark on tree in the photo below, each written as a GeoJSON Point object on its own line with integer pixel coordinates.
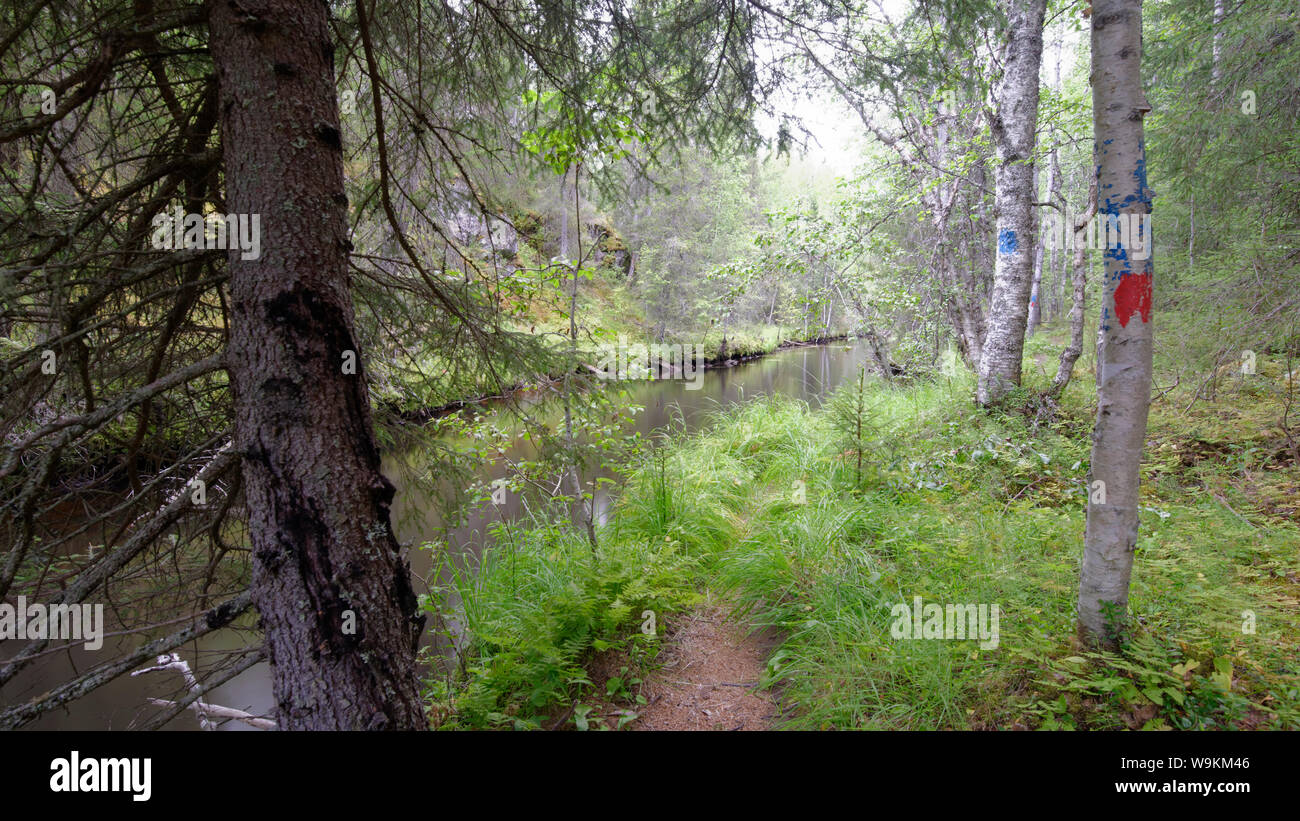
{"type": "Point", "coordinates": [1007, 241]}
{"type": "Point", "coordinates": [1140, 175]}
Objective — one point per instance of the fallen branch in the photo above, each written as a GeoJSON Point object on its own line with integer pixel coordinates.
{"type": "Point", "coordinates": [173, 661]}
{"type": "Point", "coordinates": [214, 619]}
{"type": "Point", "coordinates": [217, 711]}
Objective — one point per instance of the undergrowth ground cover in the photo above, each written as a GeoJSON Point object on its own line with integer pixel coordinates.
{"type": "Point", "coordinates": [772, 509]}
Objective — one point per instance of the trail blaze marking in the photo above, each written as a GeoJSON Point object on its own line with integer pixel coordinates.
{"type": "Point", "coordinates": [1133, 294]}
{"type": "Point", "coordinates": [1007, 243]}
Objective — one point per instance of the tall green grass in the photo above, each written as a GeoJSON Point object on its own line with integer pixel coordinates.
{"type": "Point", "coordinates": [954, 505]}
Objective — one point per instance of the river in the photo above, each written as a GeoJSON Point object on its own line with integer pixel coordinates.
{"type": "Point", "coordinates": [808, 373]}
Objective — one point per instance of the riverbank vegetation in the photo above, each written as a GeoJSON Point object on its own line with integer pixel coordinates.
{"type": "Point", "coordinates": [768, 510]}
{"type": "Point", "coordinates": [286, 290]}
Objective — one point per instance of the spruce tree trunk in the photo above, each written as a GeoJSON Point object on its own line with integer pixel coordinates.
{"type": "Point", "coordinates": [1013, 129]}
{"type": "Point", "coordinates": [333, 590]}
{"type": "Point", "coordinates": [1124, 356]}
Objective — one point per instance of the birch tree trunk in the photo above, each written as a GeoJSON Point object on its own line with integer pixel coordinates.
{"type": "Point", "coordinates": [1216, 53]}
{"type": "Point", "coordinates": [1074, 350]}
{"type": "Point", "coordinates": [1035, 310]}
{"type": "Point", "coordinates": [1124, 357]}
{"type": "Point", "coordinates": [1054, 306]}
{"type": "Point", "coordinates": [985, 251]}
{"type": "Point", "coordinates": [1054, 187]}
{"type": "Point", "coordinates": [564, 216]}
{"type": "Point", "coordinates": [328, 579]}
{"type": "Point", "coordinates": [1013, 129]}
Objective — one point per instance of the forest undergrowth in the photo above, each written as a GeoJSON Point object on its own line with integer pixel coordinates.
{"type": "Point", "coordinates": [818, 523]}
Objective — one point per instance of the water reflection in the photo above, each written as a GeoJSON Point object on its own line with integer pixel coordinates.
{"type": "Point", "coordinates": [807, 373]}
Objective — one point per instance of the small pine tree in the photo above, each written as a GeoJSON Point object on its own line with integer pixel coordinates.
{"type": "Point", "coordinates": [851, 417]}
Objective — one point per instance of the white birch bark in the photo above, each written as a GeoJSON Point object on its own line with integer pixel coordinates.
{"type": "Point", "coordinates": [1216, 71]}
{"type": "Point", "coordinates": [1074, 350]}
{"type": "Point", "coordinates": [1124, 356]}
{"type": "Point", "coordinates": [1054, 184]}
{"type": "Point", "coordinates": [1035, 309]}
{"type": "Point", "coordinates": [1013, 130]}
{"type": "Point", "coordinates": [564, 216]}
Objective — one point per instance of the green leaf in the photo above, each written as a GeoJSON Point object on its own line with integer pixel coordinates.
{"type": "Point", "coordinates": [627, 716]}
{"type": "Point", "coordinates": [1222, 676]}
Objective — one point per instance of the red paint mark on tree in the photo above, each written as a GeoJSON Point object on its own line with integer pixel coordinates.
{"type": "Point", "coordinates": [1132, 295]}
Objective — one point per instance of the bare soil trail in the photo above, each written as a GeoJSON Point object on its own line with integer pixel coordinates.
{"type": "Point", "coordinates": [709, 676]}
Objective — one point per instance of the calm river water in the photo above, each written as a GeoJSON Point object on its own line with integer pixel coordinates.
{"type": "Point", "coordinates": [808, 373]}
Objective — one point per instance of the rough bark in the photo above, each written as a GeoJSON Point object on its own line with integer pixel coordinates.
{"type": "Point", "coordinates": [1013, 130]}
{"type": "Point", "coordinates": [984, 235]}
{"type": "Point", "coordinates": [965, 313]}
{"type": "Point", "coordinates": [878, 349]}
{"type": "Point", "coordinates": [1124, 357]}
{"type": "Point", "coordinates": [329, 580]}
